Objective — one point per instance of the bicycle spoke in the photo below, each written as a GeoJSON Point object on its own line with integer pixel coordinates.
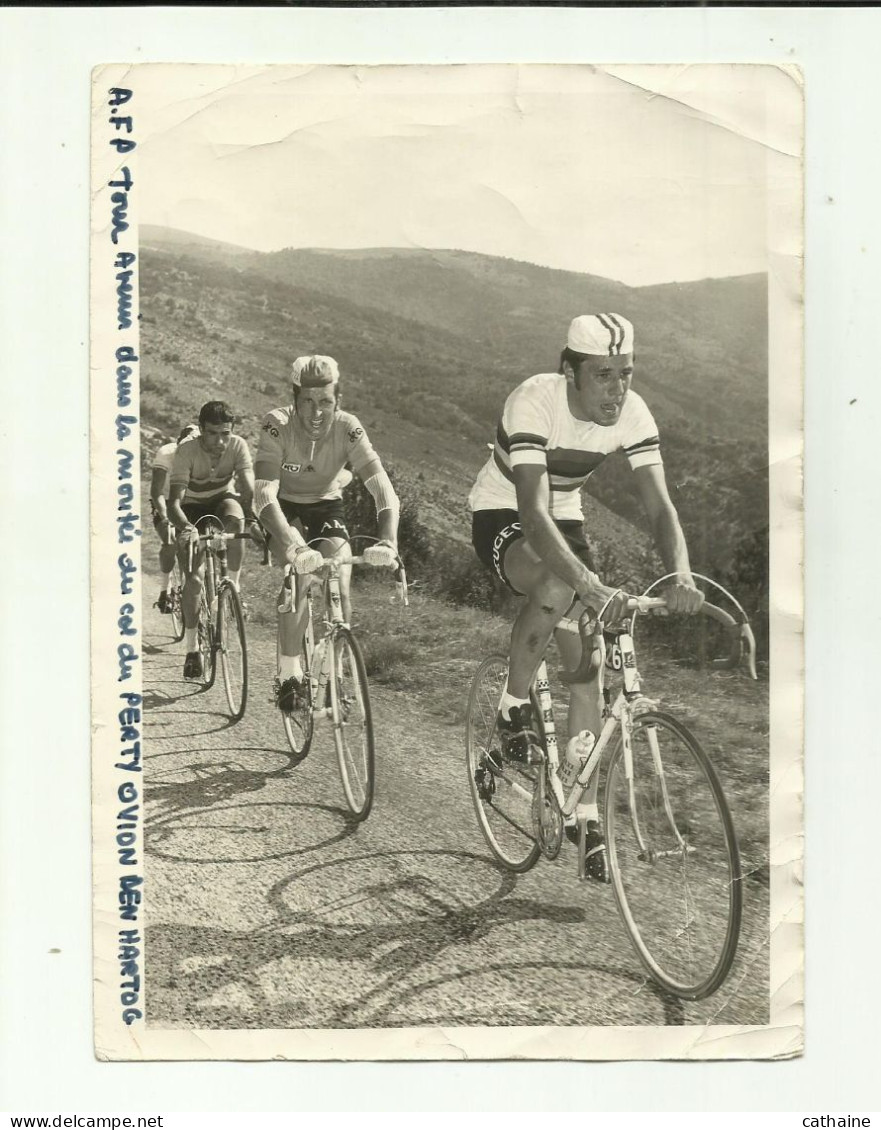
{"type": "Point", "coordinates": [502, 804]}
{"type": "Point", "coordinates": [677, 880]}
{"type": "Point", "coordinates": [233, 650]}
{"type": "Point", "coordinates": [352, 723]}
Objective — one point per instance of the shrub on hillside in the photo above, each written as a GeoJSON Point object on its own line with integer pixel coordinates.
{"type": "Point", "coordinates": [458, 576]}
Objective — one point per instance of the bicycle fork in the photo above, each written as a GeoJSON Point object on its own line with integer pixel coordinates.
{"type": "Point", "coordinates": [648, 853]}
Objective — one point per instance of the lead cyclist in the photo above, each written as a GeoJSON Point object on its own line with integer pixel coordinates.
{"type": "Point", "coordinates": [301, 468]}
{"type": "Point", "coordinates": [528, 528]}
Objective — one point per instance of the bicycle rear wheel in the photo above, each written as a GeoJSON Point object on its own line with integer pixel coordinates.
{"type": "Point", "coordinates": [501, 793]}
{"type": "Point", "coordinates": [352, 722]}
{"type": "Point", "coordinates": [233, 649]}
{"type": "Point", "coordinates": [175, 590]}
{"type": "Point", "coordinates": [673, 857]}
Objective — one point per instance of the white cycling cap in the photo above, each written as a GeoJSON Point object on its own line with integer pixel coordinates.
{"type": "Point", "coordinates": [601, 335]}
{"type": "Point", "coordinates": [314, 371]}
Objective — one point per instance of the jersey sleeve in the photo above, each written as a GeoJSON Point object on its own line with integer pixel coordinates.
{"type": "Point", "coordinates": [182, 467]}
{"type": "Point", "coordinates": [163, 459]}
{"type": "Point", "coordinates": [270, 448]}
{"type": "Point", "coordinates": [526, 425]}
{"type": "Point", "coordinates": [242, 456]}
{"type": "Point", "coordinates": [640, 439]}
{"type": "Point", "coordinates": [359, 449]}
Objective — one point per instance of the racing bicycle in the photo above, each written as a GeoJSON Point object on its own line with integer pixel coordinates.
{"type": "Point", "coordinates": [335, 680]}
{"type": "Point", "coordinates": [221, 623]}
{"type": "Point", "coordinates": [673, 856]}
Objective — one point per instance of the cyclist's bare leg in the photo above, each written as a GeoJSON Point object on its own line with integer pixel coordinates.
{"type": "Point", "coordinates": [291, 624]}
{"type": "Point", "coordinates": [233, 523]}
{"type": "Point", "coordinates": [191, 594]}
{"type": "Point", "coordinates": [291, 627]}
{"type": "Point", "coordinates": [547, 600]}
{"type": "Point", "coordinates": [166, 558]}
{"type": "Point", "coordinates": [585, 699]}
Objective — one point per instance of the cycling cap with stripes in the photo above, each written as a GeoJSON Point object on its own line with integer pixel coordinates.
{"type": "Point", "coordinates": [601, 335]}
{"type": "Point", "coordinates": [314, 371]}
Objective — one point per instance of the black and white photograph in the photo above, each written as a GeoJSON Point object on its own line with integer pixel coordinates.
{"type": "Point", "coordinates": [446, 580]}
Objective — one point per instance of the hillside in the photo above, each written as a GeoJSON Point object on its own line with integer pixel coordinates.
{"type": "Point", "coordinates": [431, 342]}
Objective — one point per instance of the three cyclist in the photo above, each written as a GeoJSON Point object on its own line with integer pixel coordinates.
{"type": "Point", "coordinates": [528, 526]}
{"type": "Point", "coordinates": [212, 474]}
{"type": "Point", "coordinates": [303, 456]}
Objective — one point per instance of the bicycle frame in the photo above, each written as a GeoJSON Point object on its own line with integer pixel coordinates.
{"type": "Point", "coordinates": [213, 541]}
{"type": "Point", "coordinates": [319, 654]}
{"type": "Point", "coordinates": [617, 715]}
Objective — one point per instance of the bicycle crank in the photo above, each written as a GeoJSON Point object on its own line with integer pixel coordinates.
{"type": "Point", "coordinates": [547, 819]}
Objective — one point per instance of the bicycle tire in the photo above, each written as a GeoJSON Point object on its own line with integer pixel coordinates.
{"type": "Point", "coordinates": [299, 724]}
{"type": "Point", "coordinates": [205, 642]}
{"type": "Point", "coordinates": [511, 844]}
{"type": "Point", "coordinates": [175, 597]}
{"type": "Point", "coordinates": [689, 954]}
{"type": "Point", "coordinates": [353, 737]}
{"type": "Point", "coordinates": [233, 647]}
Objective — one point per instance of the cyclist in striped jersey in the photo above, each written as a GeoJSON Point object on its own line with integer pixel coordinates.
{"type": "Point", "coordinates": [527, 523]}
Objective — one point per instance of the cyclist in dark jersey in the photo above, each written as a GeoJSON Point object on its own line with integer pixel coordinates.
{"type": "Point", "coordinates": [301, 468]}
{"type": "Point", "coordinates": [204, 476]}
{"type": "Point", "coordinates": [527, 523]}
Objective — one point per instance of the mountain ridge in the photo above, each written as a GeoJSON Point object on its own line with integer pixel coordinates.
{"type": "Point", "coordinates": [430, 344]}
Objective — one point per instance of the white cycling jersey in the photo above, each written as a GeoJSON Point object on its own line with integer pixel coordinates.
{"type": "Point", "coordinates": [537, 427]}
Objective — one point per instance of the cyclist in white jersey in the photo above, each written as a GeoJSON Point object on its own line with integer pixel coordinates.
{"type": "Point", "coordinates": [301, 468]}
{"type": "Point", "coordinates": [527, 523]}
{"type": "Point", "coordinates": [163, 461]}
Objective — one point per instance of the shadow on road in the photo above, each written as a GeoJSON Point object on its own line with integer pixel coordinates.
{"type": "Point", "coordinates": [258, 832]}
{"type": "Point", "coordinates": [362, 939]}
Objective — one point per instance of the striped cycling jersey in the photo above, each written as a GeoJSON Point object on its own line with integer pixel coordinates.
{"type": "Point", "coordinates": [312, 470]}
{"type": "Point", "coordinates": [206, 476]}
{"type": "Point", "coordinates": [538, 427]}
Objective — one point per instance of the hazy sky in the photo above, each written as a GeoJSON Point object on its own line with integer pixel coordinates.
{"type": "Point", "coordinates": [640, 174]}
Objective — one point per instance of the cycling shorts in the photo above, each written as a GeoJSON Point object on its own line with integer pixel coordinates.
{"type": "Point", "coordinates": [222, 506]}
{"type": "Point", "coordinates": [493, 532]}
{"type": "Point", "coordinates": [323, 519]}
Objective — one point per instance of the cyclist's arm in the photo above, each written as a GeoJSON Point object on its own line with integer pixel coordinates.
{"type": "Point", "coordinates": [388, 508]}
{"type": "Point", "coordinates": [533, 506]}
{"type": "Point", "coordinates": [682, 595]}
{"type": "Point", "coordinates": [158, 486]}
{"type": "Point", "coordinates": [267, 509]}
{"type": "Point", "coordinates": [245, 486]}
{"type": "Point", "coordinates": [178, 519]}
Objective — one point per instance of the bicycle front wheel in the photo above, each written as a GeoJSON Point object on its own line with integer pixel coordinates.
{"type": "Point", "coordinates": [205, 636]}
{"type": "Point", "coordinates": [673, 857]}
{"type": "Point", "coordinates": [233, 649]}
{"type": "Point", "coordinates": [352, 722]}
{"type": "Point", "coordinates": [501, 793]}
{"type": "Point", "coordinates": [175, 590]}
